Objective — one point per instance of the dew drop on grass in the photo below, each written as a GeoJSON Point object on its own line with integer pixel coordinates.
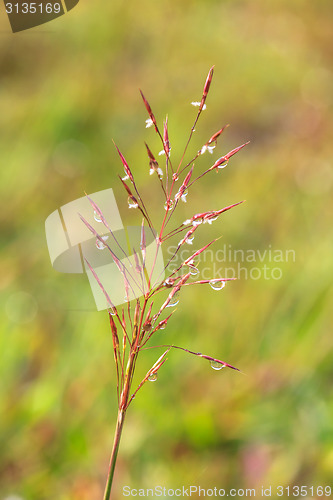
{"type": "Point", "coordinates": [217, 285]}
{"type": "Point", "coordinates": [132, 203]}
{"type": "Point", "coordinates": [189, 241]}
{"type": "Point", "coordinates": [216, 365]}
{"type": "Point", "coordinates": [162, 327]}
{"type": "Point", "coordinates": [174, 300]}
{"type": "Point", "coordinates": [99, 244]}
{"type": "Point", "coordinates": [194, 271]}
{"type": "Point", "coordinates": [97, 216]}
{"type": "Point", "coordinates": [168, 205]}
{"type": "Point", "coordinates": [152, 377]}
{"type": "Point", "coordinates": [112, 311]}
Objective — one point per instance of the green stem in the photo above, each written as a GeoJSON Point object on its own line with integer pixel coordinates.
{"type": "Point", "coordinates": [114, 454]}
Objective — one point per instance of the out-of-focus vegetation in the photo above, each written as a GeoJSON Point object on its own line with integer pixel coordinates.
{"type": "Point", "coordinates": [68, 88]}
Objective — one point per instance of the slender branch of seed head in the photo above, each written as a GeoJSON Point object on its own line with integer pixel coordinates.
{"type": "Point", "coordinates": [134, 348]}
{"type": "Point", "coordinates": [209, 358]}
{"type": "Point", "coordinates": [116, 352]}
{"type": "Point", "coordinates": [131, 177]}
{"type": "Point", "coordinates": [102, 288]}
{"type": "Point", "coordinates": [166, 144]}
{"type": "Point", "coordinates": [174, 290]}
{"type": "Point", "coordinates": [105, 223]}
{"type": "Point", "coordinates": [203, 282]}
{"type": "Point", "coordinates": [153, 119]}
{"type": "Point", "coordinates": [156, 329]}
{"type": "Point", "coordinates": [193, 256]}
{"type": "Point", "coordinates": [120, 265]}
{"type": "Point", "coordinates": [213, 139]}
{"type": "Point", "coordinates": [179, 229]}
{"type": "Point", "coordinates": [153, 165]}
{"type": "Point", "coordinates": [203, 100]}
{"type": "Point", "coordinates": [192, 230]}
{"type": "Point", "coordinates": [180, 193]}
{"type": "Point", "coordinates": [136, 202]}
{"type": "Point", "coordinates": [159, 241]}
{"type": "Point", "coordinates": [125, 337]}
{"type": "Point", "coordinates": [224, 159]}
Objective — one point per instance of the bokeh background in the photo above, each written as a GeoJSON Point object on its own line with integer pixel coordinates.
{"type": "Point", "coordinates": [66, 90]}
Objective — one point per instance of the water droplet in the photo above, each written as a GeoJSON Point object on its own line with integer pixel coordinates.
{"type": "Point", "coordinates": [175, 177]}
{"type": "Point", "coordinates": [194, 271]}
{"type": "Point", "coordinates": [168, 205]}
{"type": "Point", "coordinates": [152, 377]}
{"type": "Point", "coordinates": [174, 300]}
{"type": "Point", "coordinates": [217, 285]}
{"type": "Point", "coordinates": [168, 283]}
{"type": "Point", "coordinates": [99, 244]}
{"type": "Point", "coordinates": [162, 327]}
{"type": "Point", "coordinates": [147, 327]}
{"type": "Point", "coordinates": [97, 216]}
{"type": "Point", "coordinates": [189, 241]}
{"type": "Point", "coordinates": [132, 202]}
{"type": "Point", "coordinates": [216, 365]}
{"type": "Point", "coordinates": [112, 311]}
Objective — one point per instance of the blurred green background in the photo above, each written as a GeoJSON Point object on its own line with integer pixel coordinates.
{"type": "Point", "coordinates": [66, 90]}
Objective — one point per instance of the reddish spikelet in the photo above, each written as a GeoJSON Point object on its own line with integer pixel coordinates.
{"type": "Point", "coordinates": [115, 258]}
{"type": "Point", "coordinates": [100, 285]}
{"type": "Point", "coordinates": [218, 212]}
{"type": "Point", "coordinates": [126, 286]}
{"type": "Point", "coordinates": [204, 356]}
{"type": "Point", "coordinates": [148, 318]}
{"type": "Point", "coordinates": [114, 333]}
{"type": "Point", "coordinates": [215, 280]}
{"type": "Point", "coordinates": [198, 252]}
{"type": "Point", "coordinates": [187, 235]}
{"type": "Point", "coordinates": [166, 141]}
{"type": "Point", "coordinates": [175, 289]}
{"type": "Point", "coordinates": [153, 370]}
{"type": "Point", "coordinates": [137, 313]}
{"type": "Point", "coordinates": [212, 215]}
{"type": "Point", "coordinates": [226, 157]}
{"type": "Point", "coordinates": [143, 243]}
{"type": "Point", "coordinates": [125, 164]}
{"type": "Point", "coordinates": [96, 209]}
{"type": "Point", "coordinates": [131, 197]}
{"type": "Point", "coordinates": [217, 135]}
{"type": "Point", "coordinates": [206, 87]}
{"type": "Point", "coordinates": [164, 322]}
{"type": "Point", "coordinates": [148, 108]}
{"type": "Point", "coordinates": [153, 163]}
{"type": "Point", "coordinates": [218, 361]}
{"type": "Point", "coordinates": [184, 185]}
{"type": "Point", "coordinates": [129, 192]}
{"type": "Point", "coordinates": [137, 262]}
{"type": "Point", "coordinates": [123, 322]}
{"type": "Point", "coordinates": [161, 360]}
